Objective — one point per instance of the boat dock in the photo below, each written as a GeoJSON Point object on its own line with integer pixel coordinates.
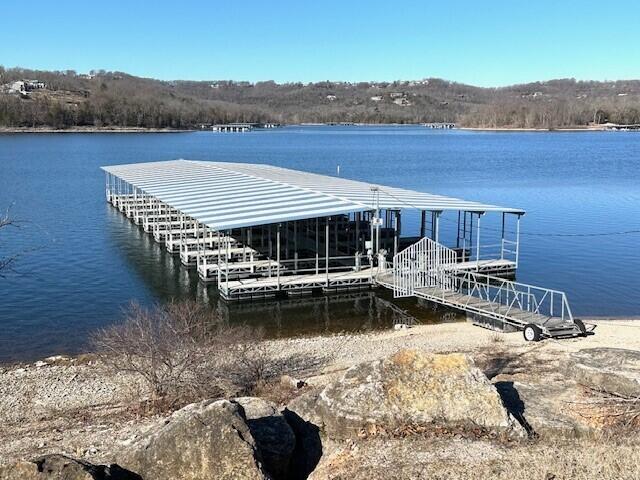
{"type": "Point", "coordinates": [242, 127]}
{"type": "Point", "coordinates": [259, 231]}
{"type": "Point", "coordinates": [440, 125]}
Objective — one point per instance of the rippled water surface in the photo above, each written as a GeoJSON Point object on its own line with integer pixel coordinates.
{"type": "Point", "coordinates": [82, 262]}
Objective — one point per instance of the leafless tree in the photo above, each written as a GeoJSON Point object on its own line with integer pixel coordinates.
{"type": "Point", "coordinates": [182, 352]}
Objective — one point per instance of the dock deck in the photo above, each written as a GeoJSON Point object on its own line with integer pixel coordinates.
{"type": "Point", "coordinates": [208, 272]}
{"type": "Point", "coordinates": [511, 315]}
{"type": "Point", "coordinates": [297, 284]}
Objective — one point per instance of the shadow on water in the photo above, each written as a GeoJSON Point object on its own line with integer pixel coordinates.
{"type": "Point", "coordinates": [351, 311]}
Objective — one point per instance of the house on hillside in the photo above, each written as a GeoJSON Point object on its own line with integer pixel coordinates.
{"type": "Point", "coordinates": [403, 102]}
{"type": "Point", "coordinates": [30, 85]}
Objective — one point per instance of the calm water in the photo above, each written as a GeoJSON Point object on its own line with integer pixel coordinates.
{"type": "Point", "coordinates": [83, 262]}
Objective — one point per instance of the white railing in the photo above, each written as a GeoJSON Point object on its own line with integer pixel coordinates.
{"type": "Point", "coordinates": [424, 264]}
{"type": "Point", "coordinates": [427, 264]}
{"type": "Point", "coordinates": [504, 297]}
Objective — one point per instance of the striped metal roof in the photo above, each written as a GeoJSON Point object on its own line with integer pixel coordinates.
{"type": "Point", "coordinates": [231, 195]}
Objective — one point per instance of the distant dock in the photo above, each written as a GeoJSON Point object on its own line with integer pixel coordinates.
{"type": "Point", "coordinates": [622, 127]}
{"type": "Point", "coordinates": [242, 127]}
{"type": "Point", "coordinates": [440, 125]}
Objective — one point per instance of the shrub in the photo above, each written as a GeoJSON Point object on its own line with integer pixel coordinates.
{"type": "Point", "coordinates": [182, 352]}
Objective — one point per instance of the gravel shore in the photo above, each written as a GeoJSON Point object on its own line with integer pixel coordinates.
{"type": "Point", "coordinates": [71, 405]}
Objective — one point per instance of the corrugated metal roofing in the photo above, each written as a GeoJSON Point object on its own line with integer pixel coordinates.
{"type": "Point", "coordinates": [231, 195]}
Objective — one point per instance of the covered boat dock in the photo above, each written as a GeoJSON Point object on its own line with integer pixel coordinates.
{"type": "Point", "coordinates": [261, 231]}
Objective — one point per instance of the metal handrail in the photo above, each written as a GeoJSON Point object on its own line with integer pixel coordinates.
{"type": "Point", "coordinates": [501, 295]}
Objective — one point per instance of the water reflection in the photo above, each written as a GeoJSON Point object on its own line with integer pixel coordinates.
{"type": "Point", "coordinates": [354, 311]}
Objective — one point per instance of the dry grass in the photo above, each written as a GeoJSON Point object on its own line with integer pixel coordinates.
{"type": "Point", "coordinates": [496, 337]}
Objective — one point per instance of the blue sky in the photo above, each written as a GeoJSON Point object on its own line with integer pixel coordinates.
{"type": "Point", "coordinates": [482, 43]}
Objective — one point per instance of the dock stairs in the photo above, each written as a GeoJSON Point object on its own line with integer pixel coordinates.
{"type": "Point", "coordinates": [428, 270]}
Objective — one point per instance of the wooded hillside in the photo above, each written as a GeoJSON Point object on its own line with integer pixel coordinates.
{"type": "Point", "coordinates": [116, 99]}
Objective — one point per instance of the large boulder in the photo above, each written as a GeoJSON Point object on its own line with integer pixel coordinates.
{"type": "Point", "coordinates": [60, 467]}
{"type": "Point", "coordinates": [209, 440]}
{"type": "Point", "coordinates": [545, 407]}
{"type": "Point", "coordinates": [612, 370]}
{"type": "Point", "coordinates": [410, 387]}
{"type": "Point", "coordinates": [273, 435]}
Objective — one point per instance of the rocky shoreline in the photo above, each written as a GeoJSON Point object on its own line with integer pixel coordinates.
{"type": "Point", "coordinates": [550, 393]}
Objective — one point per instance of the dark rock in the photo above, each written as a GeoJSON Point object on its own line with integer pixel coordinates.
{"type": "Point", "coordinates": [273, 435]}
{"type": "Point", "coordinates": [308, 450]}
{"type": "Point", "coordinates": [60, 467]}
{"type": "Point", "coordinates": [204, 441]}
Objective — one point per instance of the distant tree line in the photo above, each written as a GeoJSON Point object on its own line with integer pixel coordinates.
{"type": "Point", "coordinates": [116, 99]}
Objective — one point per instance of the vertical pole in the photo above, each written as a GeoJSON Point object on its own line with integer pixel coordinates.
{"type": "Point", "coordinates": [371, 220]}
{"type": "Point", "coordinates": [377, 249]}
{"type": "Point", "coordinates": [518, 240]}
{"type": "Point", "coordinates": [478, 242]}
{"type": "Point", "coordinates": [436, 226]}
{"type": "Point", "coordinates": [218, 247]}
{"type": "Point", "coordinates": [397, 228]}
{"type": "Point", "coordinates": [286, 241]}
{"type": "Point", "coordinates": [357, 231]}
{"type": "Point", "coordinates": [470, 235]}
{"type": "Point", "coordinates": [326, 253]}
{"type": "Point", "coordinates": [423, 223]}
{"type": "Point", "coordinates": [278, 256]}
{"type": "Point", "coordinates": [502, 239]}
{"type": "Point", "coordinates": [335, 237]}
{"type": "Point", "coordinates": [227, 262]}
{"type": "Point", "coordinates": [197, 249]}
{"type": "Point", "coordinates": [295, 245]}
{"type": "Point", "coordinates": [458, 232]}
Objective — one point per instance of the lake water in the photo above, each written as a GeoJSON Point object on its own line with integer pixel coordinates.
{"type": "Point", "coordinates": [83, 262]}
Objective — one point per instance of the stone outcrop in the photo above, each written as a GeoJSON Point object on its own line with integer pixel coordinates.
{"type": "Point", "coordinates": [612, 370]}
{"type": "Point", "coordinates": [545, 407]}
{"type": "Point", "coordinates": [204, 441]}
{"type": "Point", "coordinates": [273, 436]}
{"type": "Point", "coordinates": [410, 387]}
{"type": "Point", "coordinates": [60, 467]}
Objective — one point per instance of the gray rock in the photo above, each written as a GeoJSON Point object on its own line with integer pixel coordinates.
{"type": "Point", "coordinates": [203, 441]}
{"type": "Point", "coordinates": [410, 387]}
{"type": "Point", "coordinates": [273, 435]}
{"type": "Point", "coordinates": [613, 370]}
{"type": "Point", "coordinates": [542, 407]}
{"type": "Point", "coordinates": [60, 467]}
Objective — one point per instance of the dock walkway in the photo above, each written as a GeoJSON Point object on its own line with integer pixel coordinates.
{"type": "Point", "coordinates": [428, 270]}
{"type": "Point", "coordinates": [292, 284]}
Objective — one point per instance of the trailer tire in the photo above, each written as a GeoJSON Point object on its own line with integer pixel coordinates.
{"type": "Point", "coordinates": [580, 325]}
{"type": "Point", "coordinates": [532, 332]}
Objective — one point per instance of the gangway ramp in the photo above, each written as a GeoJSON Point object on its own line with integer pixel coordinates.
{"type": "Point", "coordinates": [429, 270]}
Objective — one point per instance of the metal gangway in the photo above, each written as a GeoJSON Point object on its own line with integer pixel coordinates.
{"type": "Point", "coordinates": [429, 270]}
